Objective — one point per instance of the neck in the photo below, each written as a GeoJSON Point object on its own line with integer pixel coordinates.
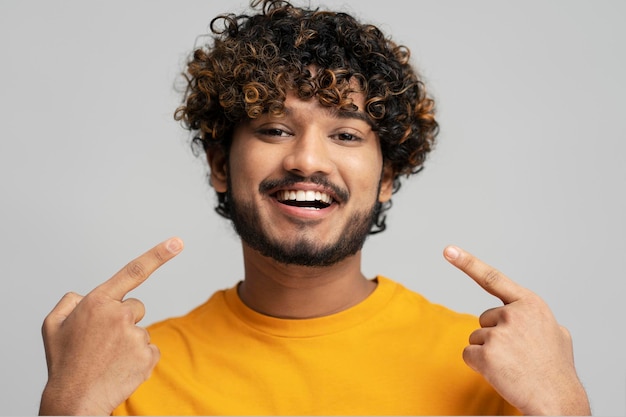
{"type": "Point", "coordinates": [297, 292]}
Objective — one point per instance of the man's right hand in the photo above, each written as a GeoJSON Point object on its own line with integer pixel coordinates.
{"type": "Point", "coordinates": [97, 355]}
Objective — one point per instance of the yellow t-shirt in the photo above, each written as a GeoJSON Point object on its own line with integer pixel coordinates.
{"type": "Point", "coordinates": [395, 353]}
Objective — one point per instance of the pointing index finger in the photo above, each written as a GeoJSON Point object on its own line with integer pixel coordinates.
{"type": "Point", "coordinates": [489, 278]}
{"type": "Point", "coordinates": [139, 269]}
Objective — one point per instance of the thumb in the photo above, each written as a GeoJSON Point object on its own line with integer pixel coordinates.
{"type": "Point", "coordinates": [63, 309]}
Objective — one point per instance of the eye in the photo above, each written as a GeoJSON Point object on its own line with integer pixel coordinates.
{"type": "Point", "coordinates": [348, 137]}
{"type": "Point", "coordinates": [273, 134]}
{"type": "Point", "coordinates": [274, 131]}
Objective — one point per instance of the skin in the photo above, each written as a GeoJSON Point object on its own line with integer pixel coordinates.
{"type": "Point", "coordinates": [97, 354]}
{"type": "Point", "coordinates": [307, 141]}
{"type": "Point", "coordinates": [520, 348]}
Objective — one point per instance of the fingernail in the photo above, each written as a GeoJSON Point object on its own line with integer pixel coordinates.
{"type": "Point", "coordinates": [174, 245]}
{"type": "Point", "coordinates": [452, 253]}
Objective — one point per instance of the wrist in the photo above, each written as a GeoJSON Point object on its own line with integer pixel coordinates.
{"type": "Point", "coordinates": [566, 402]}
{"type": "Point", "coordinates": [67, 402]}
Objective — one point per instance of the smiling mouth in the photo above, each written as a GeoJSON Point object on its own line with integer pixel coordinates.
{"type": "Point", "coordinates": [314, 200]}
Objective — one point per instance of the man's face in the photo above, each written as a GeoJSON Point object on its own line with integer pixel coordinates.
{"type": "Point", "coordinates": [304, 187]}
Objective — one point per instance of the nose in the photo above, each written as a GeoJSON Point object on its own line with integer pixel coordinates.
{"type": "Point", "coordinates": [309, 155]}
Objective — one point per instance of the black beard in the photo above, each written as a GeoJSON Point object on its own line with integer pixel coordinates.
{"type": "Point", "coordinates": [304, 252]}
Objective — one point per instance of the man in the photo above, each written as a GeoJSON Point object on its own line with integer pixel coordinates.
{"type": "Point", "coordinates": [309, 119]}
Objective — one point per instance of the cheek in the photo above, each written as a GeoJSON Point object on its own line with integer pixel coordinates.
{"type": "Point", "coordinates": [363, 173]}
{"type": "Point", "coordinates": [248, 167]}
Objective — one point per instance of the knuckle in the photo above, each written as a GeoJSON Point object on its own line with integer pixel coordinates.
{"type": "Point", "coordinates": [135, 306]}
{"type": "Point", "coordinates": [491, 277]}
{"type": "Point", "coordinates": [509, 315]}
{"type": "Point", "coordinates": [156, 353]}
{"type": "Point", "coordinates": [470, 358]}
{"type": "Point", "coordinates": [46, 327]}
{"type": "Point", "coordinates": [127, 315]}
{"type": "Point", "coordinates": [160, 256]}
{"type": "Point", "coordinates": [485, 319]}
{"type": "Point", "coordinates": [136, 270]}
{"type": "Point", "coordinates": [146, 335]}
{"type": "Point", "coordinates": [474, 337]}
{"type": "Point", "coordinates": [467, 357]}
{"type": "Point", "coordinates": [133, 303]}
{"type": "Point", "coordinates": [51, 321]}
{"type": "Point", "coordinates": [95, 301]}
{"type": "Point", "coordinates": [153, 357]}
{"type": "Point", "coordinates": [70, 295]}
{"type": "Point", "coordinates": [136, 335]}
{"type": "Point", "coordinates": [47, 321]}
{"type": "Point", "coordinates": [535, 300]}
{"type": "Point", "coordinates": [566, 333]}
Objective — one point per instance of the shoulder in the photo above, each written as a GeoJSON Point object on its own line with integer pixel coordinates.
{"type": "Point", "coordinates": [417, 308]}
{"type": "Point", "coordinates": [174, 328]}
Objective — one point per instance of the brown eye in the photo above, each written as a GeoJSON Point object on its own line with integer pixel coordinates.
{"type": "Point", "coordinates": [348, 137]}
{"type": "Point", "coordinates": [273, 132]}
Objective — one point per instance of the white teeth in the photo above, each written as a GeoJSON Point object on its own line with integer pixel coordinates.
{"type": "Point", "coordinates": [301, 195]}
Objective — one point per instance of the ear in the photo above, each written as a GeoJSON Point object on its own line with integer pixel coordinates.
{"type": "Point", "coordinates": [219, 169]}
{"type": "Point", "coordinates": [386, 184]}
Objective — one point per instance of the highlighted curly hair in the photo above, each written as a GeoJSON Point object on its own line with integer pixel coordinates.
{"type": "Point", "coordinates": [255, 60]}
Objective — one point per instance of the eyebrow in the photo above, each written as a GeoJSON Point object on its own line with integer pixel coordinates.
{"type": "Point", "coordinates": [359, 115]}
{"type": "Point", "coordinates": [343, 114]}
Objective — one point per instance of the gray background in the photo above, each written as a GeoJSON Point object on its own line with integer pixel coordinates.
{"type": "Point", "coordinates": [528, 174]}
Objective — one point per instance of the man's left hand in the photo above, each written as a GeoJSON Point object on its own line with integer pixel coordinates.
{"type": "Point", "coordinates": [520, 348]}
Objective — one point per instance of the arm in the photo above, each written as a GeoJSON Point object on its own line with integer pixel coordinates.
{"type": "Point", "coordinates": [97, 356]}
{"type": "Point", "coordinates": [520, 348]}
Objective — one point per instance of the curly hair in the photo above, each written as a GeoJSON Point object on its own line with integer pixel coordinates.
{"type": "Point", "coordinates": [255, 60]}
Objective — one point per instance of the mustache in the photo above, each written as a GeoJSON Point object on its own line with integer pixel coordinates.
{"type": "Point", "coordinates": [292, 179]}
